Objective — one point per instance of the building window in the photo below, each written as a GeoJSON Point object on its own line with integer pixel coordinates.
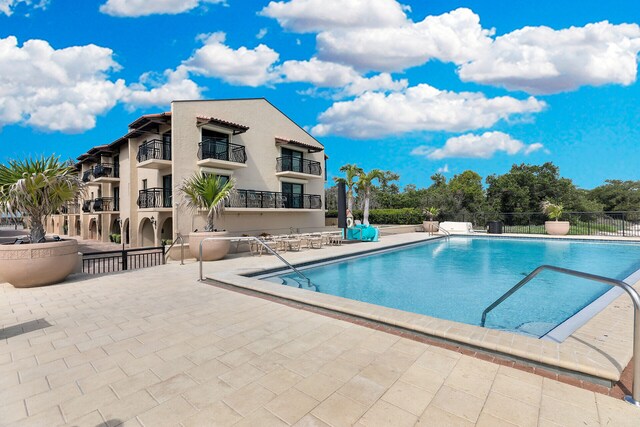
{"type": "Point", "coordinates": [144, 184]}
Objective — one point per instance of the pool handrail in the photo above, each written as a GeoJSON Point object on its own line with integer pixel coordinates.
{"type": "Point", "coordinates": [634, 398]}
{"type": "Point", "coordinates": [444, 231]}
{"type": "Point", "coordinates": [248, 239]}
{"type": "Point", "coordinates": [181, 239]}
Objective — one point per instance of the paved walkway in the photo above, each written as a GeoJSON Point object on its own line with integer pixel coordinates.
{"type": "Point", "coordinates": [154, 347]}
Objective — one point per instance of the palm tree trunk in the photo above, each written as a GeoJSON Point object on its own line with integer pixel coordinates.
{"type": "Point", "coordinates": [37, 229]}
{"type": "Point", "coordinates": [350, 200]}
{"type": "Point", "coordinates": [365, 214]}
{"type": "Point", "coordinates": [210, 219]}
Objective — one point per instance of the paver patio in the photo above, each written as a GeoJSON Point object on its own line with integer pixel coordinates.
{"type": "Point", "coordinates": [155, 347]}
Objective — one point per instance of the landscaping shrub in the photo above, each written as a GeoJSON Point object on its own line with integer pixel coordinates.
{"type": "Point", "coordinates": [406, 216]}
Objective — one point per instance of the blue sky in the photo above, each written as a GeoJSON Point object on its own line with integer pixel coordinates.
{"type": "Point", "coordinates": [414, 87]}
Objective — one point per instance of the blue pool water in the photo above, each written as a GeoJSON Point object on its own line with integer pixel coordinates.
{"type": "Point", "coordinates": [457, 279]}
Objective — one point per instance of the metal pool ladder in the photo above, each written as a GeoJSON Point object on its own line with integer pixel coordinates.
{"type": "Point", "coordinates": [255, 239]}
{"type": "Point", "coordinates": [634, 398]}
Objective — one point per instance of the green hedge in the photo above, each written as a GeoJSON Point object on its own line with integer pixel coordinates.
{"type": "Point", "coordinates": [387, 216]}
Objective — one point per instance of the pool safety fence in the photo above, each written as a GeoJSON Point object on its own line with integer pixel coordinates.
{"type": "Point", "coordinates": [121, 260]}
{"type": "Point", "coordinates": [624, 224]}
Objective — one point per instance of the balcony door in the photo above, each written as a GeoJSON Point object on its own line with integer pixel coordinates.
{"type": "Point", "coordinates": [166, 146]}
{"type": "Point", "coordinates": [291, 160]}
{"type": "Point", "coordinates": [116, 199]}
{"type": "Point", "coordinates": [292, 195]}
{"type": "Point", "coordinates": [215, 145]}
{"type": "Point", "coordinates": [166, 191]}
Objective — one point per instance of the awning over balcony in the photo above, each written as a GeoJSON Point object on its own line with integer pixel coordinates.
{"type": "Point", "coordinates": [235, 127]}
{"type": "Point", "coordinates": [313, 148]}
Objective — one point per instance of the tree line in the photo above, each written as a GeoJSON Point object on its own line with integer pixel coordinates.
{"type": "Point", "coordinates": [522, 189]}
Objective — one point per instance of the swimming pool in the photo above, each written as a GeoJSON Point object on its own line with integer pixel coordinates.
{"type": "Point", "coordinates": [457, 278]}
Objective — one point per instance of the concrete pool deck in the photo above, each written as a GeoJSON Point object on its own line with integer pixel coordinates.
{"type": "Point", "coordinates": [155, 347]}
{"type": "Point", "coordinates": [598, 351]}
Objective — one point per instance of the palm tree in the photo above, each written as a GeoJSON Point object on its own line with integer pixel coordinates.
{"type": "Point", "coordinates": [352, 172]}
{"type": "Point", "coordinates": [365, 182]}
{"type": "Point", "coordinates": [38, 188]}
{"type": "Point", "coordinates": [207, 191]}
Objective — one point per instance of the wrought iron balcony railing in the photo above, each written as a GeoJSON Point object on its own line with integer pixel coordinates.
{"type": "Point", "coordinates": [154, 198]}
{"type": "Point", "coordinates": [154, 150]}
{"type": "Point", "coordinates": [220, 149]}
{"type": "Point", "coordinates": [273, 200]}
{"type": "Point", "coordinates": [105, 204]}
{"type": "Point", "coordinates": [105, 170]}
{"type": "Point", "coordinates": [295, 164]}
{"type": "Point", "coordinates": [86, 206]}
{"type": "Point", "coordinates": [86, 176]}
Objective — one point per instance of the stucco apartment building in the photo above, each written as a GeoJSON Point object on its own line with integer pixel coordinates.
{"type": "Point", "coordinates": [132, 183]}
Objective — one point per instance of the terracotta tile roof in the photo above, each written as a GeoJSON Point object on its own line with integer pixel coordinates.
{"type": "Point", "coordinates": [284, 141]}
{"type": "Point", "coordinates": [237, 128]}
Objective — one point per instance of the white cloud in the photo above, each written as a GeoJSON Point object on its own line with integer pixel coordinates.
{"type": "Point", "coordinates": [135, 8]}
{"type": "Point", "coordinates": [263, 32]}
{"type": "Point", "coordinates": [477, 146]}
{"type": "Point", "coordinates": [8, 6]}
{"type": "Point", "coordinates": [419, 108]}
{"type": "Point", "coordinates": [443, 169]}
{"type": "Point", "coordinates": [59, 90]}
{"type": "Point", "coordinates": [242, 66]}
{"type": "Point", "coordinates": [171, 86]}
{"type": "Point", "coordinates": [66, 89]}
{"type": "Point", "coordinates": [316, 15]}
{"type": "Point", "coordinates": [456, 37]}
{"type": "Point", "coordinates": [541, 60]}
{"type": "Point", "coordinates": [331, 75]}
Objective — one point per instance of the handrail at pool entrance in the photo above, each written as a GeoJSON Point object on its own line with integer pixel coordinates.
{"type": "Point", "coordinates": [634, 398]}
{"type": "Point", "coordinates": [260, 242]}
{"type": "Point", "coordinates": [447, 233]}
{"type": "Point", "coordinates": [179, 237]}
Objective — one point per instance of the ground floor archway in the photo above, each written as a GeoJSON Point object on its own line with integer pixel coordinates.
{"type": "Point", "coordinates": [93, 230]}
{"type": "Point", "coordinates": [126, 236]}
{"type": "Point", "coordinates": [146, 233]}
{"type": "Point", "coordinates": [78, 227]}
{"type": "Point", "coordinates": [166, 231]}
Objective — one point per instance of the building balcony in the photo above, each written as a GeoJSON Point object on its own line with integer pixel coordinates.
{"type": "Point", "coordinates": [155, 199]}
{"type": "Point", "coordinates": [86, 206]}
{"type": "Point", "coordinates": [106, 172]}
{"type": "Point", "coordinates": [70, 209]}
{"type": "Point", "coordinates": [245, 200]}
{"type": "Point", "coordinates": [106, 204]}
{"type": "Point", "coordinates": [218, 153]}
{"type": "Point", "coordinates": [154, 154]}
{"type": "Point", "coordinates": [293, 167]}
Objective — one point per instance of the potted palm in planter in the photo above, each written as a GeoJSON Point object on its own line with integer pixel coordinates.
{"type": "Point", "coordinates": [38, 188]}
{"type": "Point", "coordinates": [429, 224]}
{"type": "Point", "coordinates": [208, 192]}
{"type": "Point", "coordinates": [554, 212]}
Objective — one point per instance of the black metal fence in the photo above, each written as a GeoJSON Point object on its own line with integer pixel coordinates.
{"type": "Point", "coordinates": [271, 199]}
{"type": "Point", "coordinates": [220, 149]}
{"type": "Point", "coordinates": [625, 224]}
{"type": "Point", "coordinates": [128, 259]}
{"type": "Point", "coordinates": [295, 164]}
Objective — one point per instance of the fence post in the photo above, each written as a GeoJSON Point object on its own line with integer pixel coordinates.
{"type": "Point", "coordinates": [624, 224]}
{"type": "Point", "coordinates": [124, 260]}
{"type": "Point", "coordinates": [164, 261]}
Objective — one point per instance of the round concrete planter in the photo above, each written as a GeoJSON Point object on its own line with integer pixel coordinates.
{"type": "Point", "coordinates": [430, 226]}
{"type": "Point", "coordinates": [38, 264]}
{"type": "Point", "coordinates": [212, 250]}
{"type": "Point", "coordinates": [557, 228]}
